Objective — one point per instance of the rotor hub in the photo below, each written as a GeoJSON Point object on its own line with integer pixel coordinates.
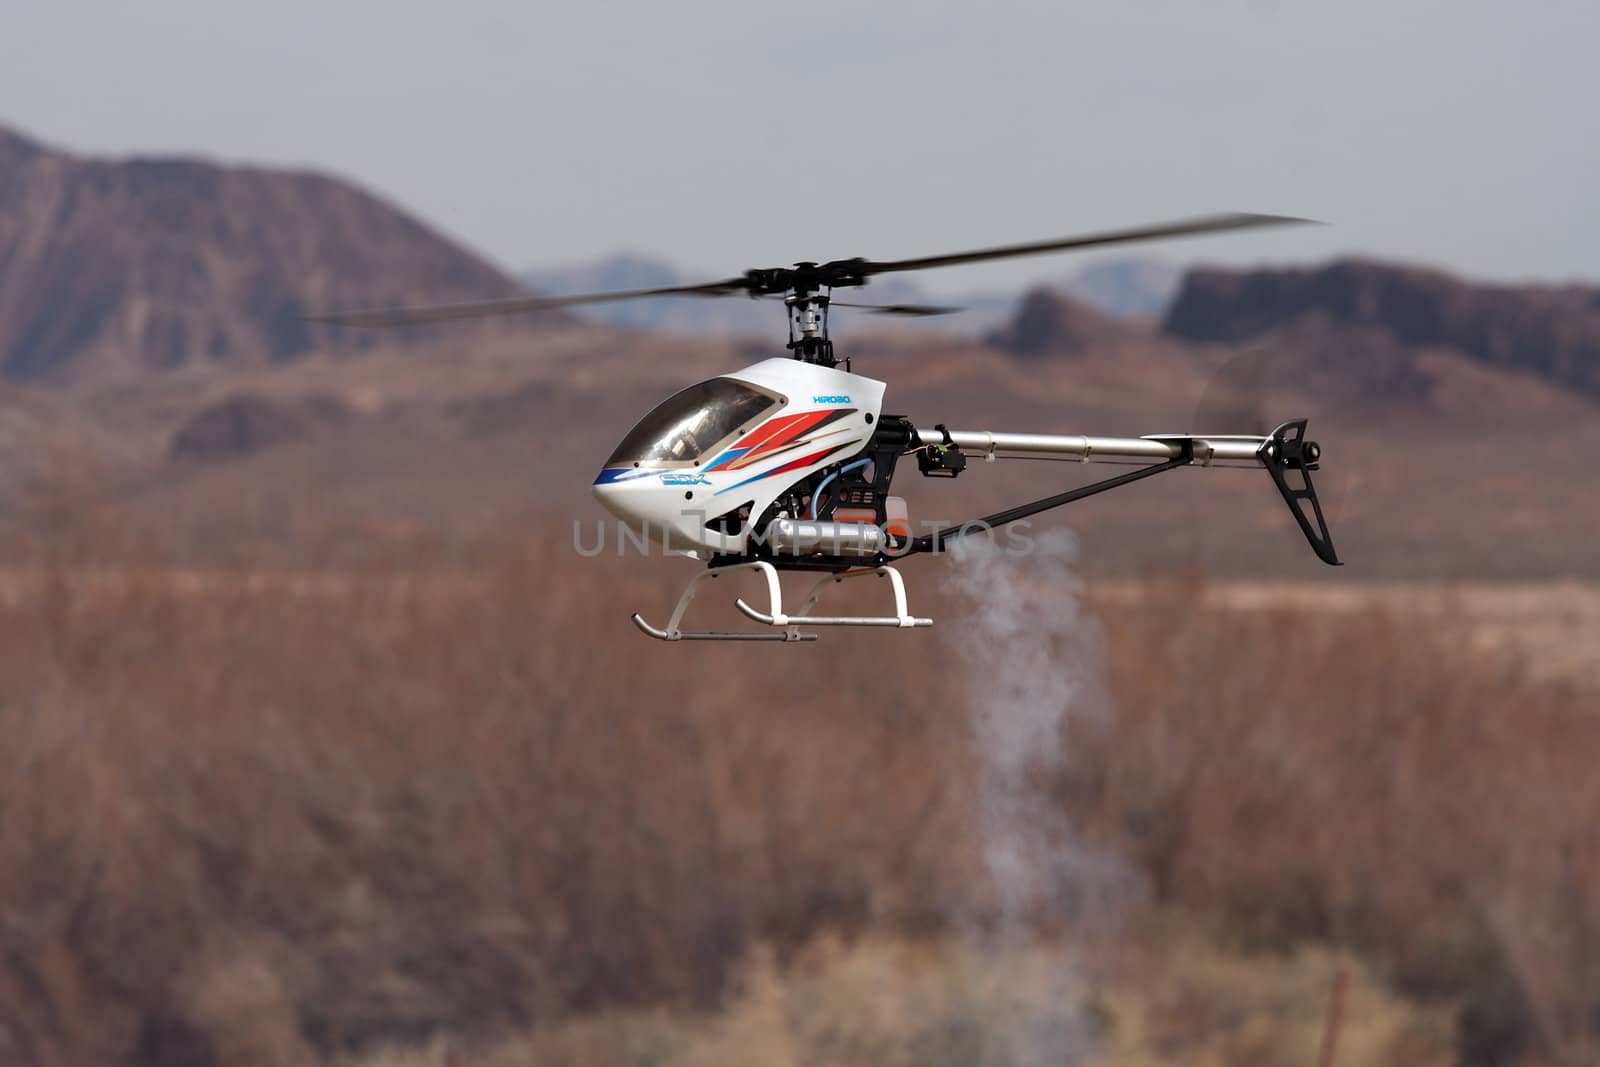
{"type": "Point", "coordinates": [808, 326]}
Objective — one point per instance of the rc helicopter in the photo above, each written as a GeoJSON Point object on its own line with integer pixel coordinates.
{"type": "Point", "coordinates": [788, 464]}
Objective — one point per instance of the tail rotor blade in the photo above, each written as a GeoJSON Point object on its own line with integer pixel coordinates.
{"type": "Point", "coordinates": [1252, 390]}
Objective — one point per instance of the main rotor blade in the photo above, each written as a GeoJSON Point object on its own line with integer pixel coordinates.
{"type": "Point", "coordinates": [914, 310]}
{"type": "Point", "coordinates": [1180, 228]}
{"type": "Point", "coordinates": [806, 276]}
{"type": "Point", "coordinates": [414, 316]}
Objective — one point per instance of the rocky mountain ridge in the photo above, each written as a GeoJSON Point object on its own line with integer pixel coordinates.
{"type": "Point", "coordinates": [1551, 331]}
{"type": "Point", "coordinates": [117, 267]}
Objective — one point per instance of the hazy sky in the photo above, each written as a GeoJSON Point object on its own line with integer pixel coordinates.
{"type": "Point", "coordinates": [729, 135]}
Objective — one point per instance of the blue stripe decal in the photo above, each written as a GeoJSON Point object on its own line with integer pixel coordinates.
{"type": "Point", "coordinates": [728, 456]}
{"type": "Point", "coordinates": [620, 474]}
{"type": "Point", "coordinates": [747, 481]}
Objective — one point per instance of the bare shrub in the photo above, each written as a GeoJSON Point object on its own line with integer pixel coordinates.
{"type": "Point", "coordinates": [1361, 781]}
{"type": "Point", "coordinates": [254, 814]}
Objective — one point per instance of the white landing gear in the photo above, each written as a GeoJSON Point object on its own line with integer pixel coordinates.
{"type": "Point", "coordinates": [785, 627]}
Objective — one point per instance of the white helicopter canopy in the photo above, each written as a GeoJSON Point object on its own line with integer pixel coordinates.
{"type": "Point", "coordinates": [694, 423]}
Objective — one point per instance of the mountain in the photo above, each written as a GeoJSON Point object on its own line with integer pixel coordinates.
{"type": "Point", "coordinates": [244, 423]}
{"type": "Point", "coordinates": [629, 270]}
{"type": "Point", "coordinates": [1549, 331]}
{"type": "Point", "coordinates": [1121, 288]}
{"type": "Point", "coordinates": [1353, 334]}
{"type": "Point", "coordinates": [1048, 322]}
{"type": "Point", "coordinates": [114, 267]}
{"type": "Point", "coordinates": [1125, 288]}
{"type": "Point", "coordinates": [356, 456]}
{"type": "Point", "coordinates": [109, 269]}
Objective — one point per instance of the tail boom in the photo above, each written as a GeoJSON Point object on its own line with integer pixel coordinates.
{"type": "Point", "coordinates": [1285, 453]}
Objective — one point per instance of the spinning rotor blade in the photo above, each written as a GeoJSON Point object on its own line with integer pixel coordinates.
{"type": "Point", "coordinates": [913, 310]}
{"type": "Point", "coordinates": [809, 277]}
{"type": "Point", "coordinates": [1181, 228]}
{"type": "Point", "coordinates": [414, 316]}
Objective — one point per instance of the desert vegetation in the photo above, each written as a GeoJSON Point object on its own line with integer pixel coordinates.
{"type": "Point", "coordinates": [448, 800]}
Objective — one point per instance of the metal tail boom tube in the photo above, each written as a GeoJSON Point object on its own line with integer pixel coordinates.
{"type": "Point", "coordinates": [1284, 453]}
{"type": "Point", "coordinates": [1156, 448]}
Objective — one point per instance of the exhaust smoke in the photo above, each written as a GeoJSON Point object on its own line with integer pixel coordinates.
{"type": "Point", "coordinates": [1033, 664]}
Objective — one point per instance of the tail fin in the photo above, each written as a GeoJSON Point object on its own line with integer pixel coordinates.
{"type": "Point", "coordinates": [1288, 451]}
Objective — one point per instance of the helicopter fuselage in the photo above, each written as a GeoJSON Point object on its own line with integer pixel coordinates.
{"type": "Point", "coordinates": [699, 470]}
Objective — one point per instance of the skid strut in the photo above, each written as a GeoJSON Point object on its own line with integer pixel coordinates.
{"type": "Point", "coordinates": [902, 617]}
{"type": "Point", "coordinates": [785, 627]}
{"type": "Point", "coordinates": [774, 594]}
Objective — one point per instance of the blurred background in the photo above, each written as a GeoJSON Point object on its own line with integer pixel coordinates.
{"type": "Point", "coordinates": [321, 742]}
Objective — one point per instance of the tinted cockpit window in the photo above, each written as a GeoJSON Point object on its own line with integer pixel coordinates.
{"type": "Point", "coordinates": [692, 422]}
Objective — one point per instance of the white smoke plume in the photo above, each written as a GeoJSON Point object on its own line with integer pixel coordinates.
{"type": "Point", "coordinates": [1033, 663]}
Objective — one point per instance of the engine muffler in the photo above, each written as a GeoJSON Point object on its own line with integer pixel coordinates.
{"type": "Point", "coordinates": [812, 537]}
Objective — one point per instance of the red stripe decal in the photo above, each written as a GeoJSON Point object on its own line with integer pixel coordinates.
{"type": "Point", "coordinates": [768, 442]}
{"type": "Point", "coordinates": [804, 461]}
{"type": "Point", "coordinates": [767, 430]}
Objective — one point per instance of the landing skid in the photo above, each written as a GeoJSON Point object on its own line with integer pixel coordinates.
{"type": "Point", "coordinates": [785, 627]}
{"type": "Point", "coordinates": [902, 618]}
